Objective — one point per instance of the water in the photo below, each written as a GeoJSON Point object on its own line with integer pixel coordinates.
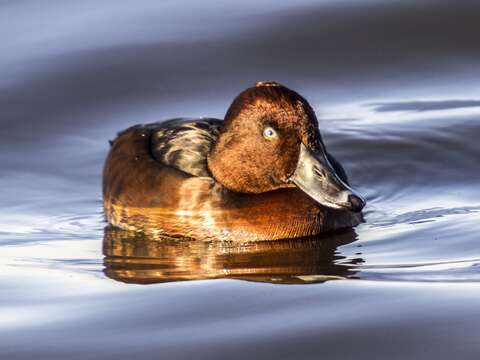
{"type": "Point", "coordinates": [395, 85]}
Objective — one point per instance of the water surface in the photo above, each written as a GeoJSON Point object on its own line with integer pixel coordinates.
{"type": "Point", "coordinates": [395, 86]}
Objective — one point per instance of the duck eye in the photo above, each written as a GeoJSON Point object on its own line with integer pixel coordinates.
{"type": "Point", "coordinates": [269, 132]}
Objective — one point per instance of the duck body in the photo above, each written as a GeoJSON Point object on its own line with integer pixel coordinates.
{"type": "Point", "coordinates": [164, 179]}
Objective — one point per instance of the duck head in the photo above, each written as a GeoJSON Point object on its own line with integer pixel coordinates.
{"type": "Point", "coordinates": [270, 140]}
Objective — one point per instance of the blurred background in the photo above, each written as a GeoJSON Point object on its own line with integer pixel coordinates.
{"type": "Point", "coordinates": [395, 85]}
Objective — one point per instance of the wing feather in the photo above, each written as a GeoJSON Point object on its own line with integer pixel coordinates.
{"type": "Point", "coordinates": [185, 143]}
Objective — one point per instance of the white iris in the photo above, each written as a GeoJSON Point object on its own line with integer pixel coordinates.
{"type": "Point", "coordinates": [269, 133]}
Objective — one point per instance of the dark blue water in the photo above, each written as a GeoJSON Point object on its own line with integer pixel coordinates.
{"type": "Point", "coordinates": [395, 86]}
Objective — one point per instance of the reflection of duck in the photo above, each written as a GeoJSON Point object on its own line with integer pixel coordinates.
{"type": "Point", "coordinates": [133, 258]}
{"type": "Point", "coordinates": [261, 174]}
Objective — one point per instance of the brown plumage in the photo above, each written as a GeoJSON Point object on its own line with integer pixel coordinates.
{"type": "Point", "coordinates": [212, 180]}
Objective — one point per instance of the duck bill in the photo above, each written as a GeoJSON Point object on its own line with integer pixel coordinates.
{"type": "Point", "coordinates": [316, 177]}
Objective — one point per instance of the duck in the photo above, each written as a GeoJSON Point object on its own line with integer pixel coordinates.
{"type": "Point", "coordinates": [261, 174]}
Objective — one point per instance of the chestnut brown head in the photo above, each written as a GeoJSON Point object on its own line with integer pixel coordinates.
{"type": "Point", "coordinates": [270, 140]}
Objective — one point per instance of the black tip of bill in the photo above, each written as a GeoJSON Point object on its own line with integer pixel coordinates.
{"type": "Point", "coordinates": [356, 203]}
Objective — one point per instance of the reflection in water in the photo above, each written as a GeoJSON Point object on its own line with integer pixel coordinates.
{"type": "Point", "coordinates": [132, 258]}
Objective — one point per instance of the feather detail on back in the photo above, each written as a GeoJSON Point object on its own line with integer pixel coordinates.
{"type": "Point", "coordinates": [185, 143]}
